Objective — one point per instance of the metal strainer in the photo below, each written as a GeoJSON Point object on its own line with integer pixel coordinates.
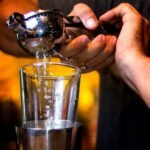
{"type": "Point", "coordinates": [44, 31]}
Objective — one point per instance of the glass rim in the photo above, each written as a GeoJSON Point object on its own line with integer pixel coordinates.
{"type": "Point", "coordinates": [77, 72]}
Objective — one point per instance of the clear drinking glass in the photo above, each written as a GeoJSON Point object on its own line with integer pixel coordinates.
{"type": "Point", "coordinates": [49, 107]}
{"type": "Point", "coordinates": [49, 94]}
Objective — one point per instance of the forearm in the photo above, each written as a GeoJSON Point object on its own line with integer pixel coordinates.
{"type": "Point", "coordinates": [8, 42]}
{"type": "Point", "coordinates": [136, 73]}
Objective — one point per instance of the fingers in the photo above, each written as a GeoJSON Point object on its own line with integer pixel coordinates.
{"type": "Point", "coordinates": [100, 66]}
{"type": "Point", "coordinates": [132, 27]}
{"type": "Point", "coordinates": [91, 50]}
{"type": "Point", "coordinates": [75, 46]}
{"type": "Point", "coordinates": [91, 55]}
{"type": "Point", "coordinates": [86, 14]}
{"type": "Point", "coordinates": [119, 12]}
{"type": "Point", "coordinates": [104, 55]}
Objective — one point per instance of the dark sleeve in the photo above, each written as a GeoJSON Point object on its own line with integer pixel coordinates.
{"type": "Point", "coordinates": [99, 6]}
{"type": "Point", "coordinates": [67, 5]}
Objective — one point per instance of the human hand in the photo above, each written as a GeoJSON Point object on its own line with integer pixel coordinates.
{"type": "Point", "coordinates": [131, 44]}
{"type": "Point", "coordinates": [133, 38]}
{"type": "Point", "coordinates": [96, 53]}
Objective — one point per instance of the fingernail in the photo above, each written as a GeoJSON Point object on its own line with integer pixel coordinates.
{"type": "Point", "coordinates": [91, 23]}
{"type": "Point", "coordinates": [102, 38]}
{"type": "Point", "coordinates": [84, 40]}
{"type": "Point", "coordinates": [114, 40]}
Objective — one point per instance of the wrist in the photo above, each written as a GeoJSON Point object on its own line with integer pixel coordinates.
{"type": "Point", "coordinates": [130, 65]}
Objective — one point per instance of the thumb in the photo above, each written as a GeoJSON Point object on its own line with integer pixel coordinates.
{"type": "Point", "coordinates": [86, 15]}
